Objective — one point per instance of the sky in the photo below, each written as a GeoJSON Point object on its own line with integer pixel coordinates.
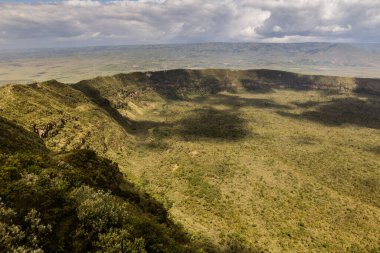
{"type": "Point", "coordinates": [65, 23]}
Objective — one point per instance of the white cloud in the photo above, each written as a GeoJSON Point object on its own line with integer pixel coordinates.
{"type": "Point", "coordinates": [72, 22]}
{"type": "Point", "coordinates": [81, 2]}
{"type": "Point", "coordinates": [333, 28]}
{"type": "Point", "coordinates": [277, 28]}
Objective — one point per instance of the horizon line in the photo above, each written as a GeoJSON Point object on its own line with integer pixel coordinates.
{"type": "Point", "coordinates": [184, 44]}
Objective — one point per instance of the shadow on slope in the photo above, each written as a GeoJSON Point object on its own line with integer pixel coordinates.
{"type": "Point", "coordinates": [14, 138]}
{"type": "Point", "coordinates": [341, 111]}
{"type": "Point", "coordinates": [102, 102]}
{"type": "Point", "coordinates": [368, 86]}
{"type": "Point", "coordinates": [75, 202]}
{"type": "Point", "coordinates": [177, 84]}
{"type": "Point", "coordinates": [80, 202]}
{"type": "Point", "coordinates": [264, 79]}
{"type": "Point", "coordinates": [131, 126]}
{"type": "Point", "coordinates": [237, 101]}
{"type": "Point", "coordinates": [308, 104]}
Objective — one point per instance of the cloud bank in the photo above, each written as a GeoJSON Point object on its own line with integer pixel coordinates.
{"type": "Point", "coordinates": [90, 22]}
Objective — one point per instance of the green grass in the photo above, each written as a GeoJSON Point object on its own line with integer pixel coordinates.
{"type": "Point", "coordinates": [288, 184]}
{"type": "Point", "coordinates": [236, 160]}
{"type": "Point", "coordinates": [76, 202]}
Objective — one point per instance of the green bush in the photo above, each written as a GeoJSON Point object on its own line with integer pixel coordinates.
{"type": "Point", "coordinates": [75, 203]}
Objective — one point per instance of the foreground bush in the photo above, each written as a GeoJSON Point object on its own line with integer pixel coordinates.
{"type": "Point", "coordinates": [74, 204]}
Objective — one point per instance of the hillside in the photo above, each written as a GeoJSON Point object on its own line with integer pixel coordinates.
{"type": "Point", "coordinates": [254, 160]}
{"type": "Point", "coordinates": [75, 202]}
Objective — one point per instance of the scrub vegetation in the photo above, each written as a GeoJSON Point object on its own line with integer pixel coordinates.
{"type": "Point", "coordinates": [210, 160]}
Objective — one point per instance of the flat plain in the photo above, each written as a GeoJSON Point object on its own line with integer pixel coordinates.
{"type": "Point", "coordinates": [71, 65]}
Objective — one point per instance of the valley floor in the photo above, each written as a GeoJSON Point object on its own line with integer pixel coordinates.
{"type": "Point", "coordinates": [284, 170]}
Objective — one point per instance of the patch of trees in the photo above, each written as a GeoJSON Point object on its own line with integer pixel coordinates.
{"type": "Point", "coordinates": [79, 202]}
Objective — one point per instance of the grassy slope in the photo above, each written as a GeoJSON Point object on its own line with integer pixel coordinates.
{"type": "Point", "coordinates": [86, 124]}
{"type": "Point", "coordinates": [78, 198]}
{"type": "Point", "coordinates": [284, 169]}
{"type": "Point", "coordinates": [14, 138]}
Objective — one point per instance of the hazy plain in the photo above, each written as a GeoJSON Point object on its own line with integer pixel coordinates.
{"type": "Point", "coordinates": [74, 64]}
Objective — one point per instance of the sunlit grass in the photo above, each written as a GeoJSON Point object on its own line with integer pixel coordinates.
{"type": "Point", "coordinates": [280, 169]}
{"type": "Point", "coordinates": [290, 183]}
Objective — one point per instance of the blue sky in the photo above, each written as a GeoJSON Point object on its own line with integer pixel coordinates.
{"type": "Point", "coordinates": [24, 23]}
